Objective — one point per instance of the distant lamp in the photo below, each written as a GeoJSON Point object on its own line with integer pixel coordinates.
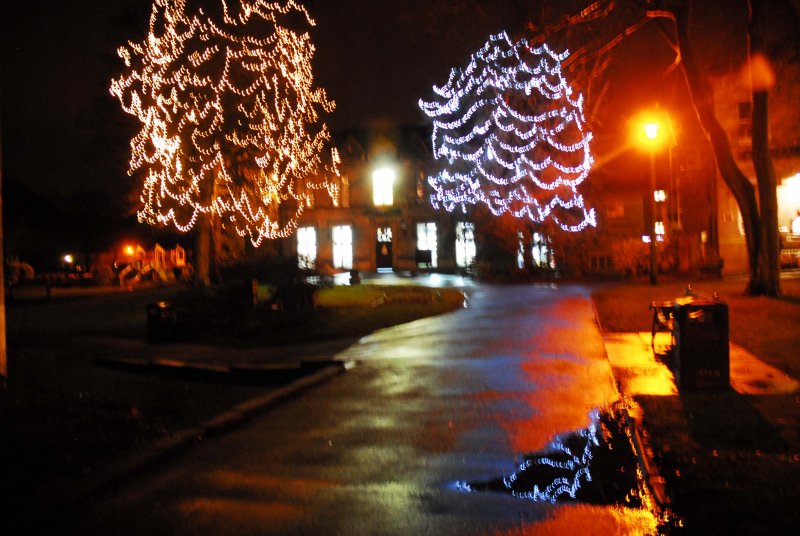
{"type": "Point", "coordinates": [129, 251]}
{"type": "Point", "coordinates": [68, 258]}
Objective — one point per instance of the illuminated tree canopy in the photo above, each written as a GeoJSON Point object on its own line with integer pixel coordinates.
{"type": "Point", "coordinates": [510, 134]}
{"type": "Point", "coordinates": [230, 118]}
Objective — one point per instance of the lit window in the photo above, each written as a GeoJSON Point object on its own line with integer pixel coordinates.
{"type": "Point", "coordinates": [384, 234]}
{"type": "Point", "coordinates": [426, 240]}
{"type": "Point", "coordinates": [306, 247]}
{"type": "Point", "coordinates": [465, 244]}
{"type": "Point", "coordinates": [343, 247]}
{"type": "Point", "coordinates": [541, 252]}
{"type": "Point", "coordinates": [383, 186]}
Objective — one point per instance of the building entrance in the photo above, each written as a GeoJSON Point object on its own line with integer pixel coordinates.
{"type": "Point", "coordinates": [383, 248]}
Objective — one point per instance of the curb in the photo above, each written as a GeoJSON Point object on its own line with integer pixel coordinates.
{"type": "Point", "coordinates": [258, 374]}
{"type": "Point", "coordinates": [655, 482]}
{"type": "Point", "coordinates": [652, 476]}
{"type": "Point", "coordinates": [74, 493]}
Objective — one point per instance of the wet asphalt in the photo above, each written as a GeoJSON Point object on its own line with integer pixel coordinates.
{"type": "Point", "coordinates": [380, 448]}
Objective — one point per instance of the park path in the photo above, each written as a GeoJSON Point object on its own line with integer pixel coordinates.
{"type": "Point", "coordinates": [379, 450]}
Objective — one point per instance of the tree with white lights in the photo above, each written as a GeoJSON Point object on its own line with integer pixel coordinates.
{"type": "Point", "coordinates": [510, 134]}
{"type": "Point", "coordinates": [230, 118]}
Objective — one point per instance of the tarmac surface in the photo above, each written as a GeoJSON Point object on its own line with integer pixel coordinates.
{"type": "Point", "coordinates": [635, 367]}
{"type": "Point", "coordinates": [380, 449]}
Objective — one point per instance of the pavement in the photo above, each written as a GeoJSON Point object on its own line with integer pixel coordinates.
{"type": "Point", "coordinates": [633, 358]}
{"type": "Point", "coordinates": [638, 371]}
{"type": "Point", "coordinates": [377, 451]}
{"type": "Point", "coordinates": [635, 366]}
{"type": "Point", "coordinates": [284, 372]}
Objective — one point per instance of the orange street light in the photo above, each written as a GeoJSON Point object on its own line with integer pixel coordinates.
{"type": "Point", "coordinates": [651, 131]}
{"type": "Point", "coordinates": [129, 251]}
{"type": "Point", "coordinates": [648, 132]}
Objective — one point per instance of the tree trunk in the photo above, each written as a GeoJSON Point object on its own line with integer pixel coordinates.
{"type": "Point", "coordinates": [768, 282]}
{"type": "Point", "coordinates": [203, 251]}
{"type": "Point", "coordinates": [741, 187]}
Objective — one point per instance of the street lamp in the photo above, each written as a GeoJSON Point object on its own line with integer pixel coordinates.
{"type": "Point", "coordinates": [652, 138]}
{"type": "Point", "coordinates": [651, 134]}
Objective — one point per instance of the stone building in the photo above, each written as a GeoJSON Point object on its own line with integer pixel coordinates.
{"type": "Point", "coordinates": [383, 220]}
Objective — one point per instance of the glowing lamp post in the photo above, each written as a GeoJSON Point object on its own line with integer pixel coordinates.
{"type": "Point", "coordinates": [652, 139]}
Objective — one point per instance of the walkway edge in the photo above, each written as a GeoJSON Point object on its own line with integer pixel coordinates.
{"type": "Point", "coordinates": [77, 492]}
{"type": "Point", "coordinates": [655, 482]}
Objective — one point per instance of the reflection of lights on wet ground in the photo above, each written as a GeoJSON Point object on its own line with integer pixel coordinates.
{"type": "Point", "coordinates": [596, 465]}
{"type": "Point", "coordinates": [570, 461]}
{"type": "Point", "coordinates": [564, 457]}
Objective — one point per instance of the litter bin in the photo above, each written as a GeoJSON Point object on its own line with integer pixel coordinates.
{"type": "Point", "coordinates": [701, 355]}
{"type": "Point", "coordinates": [161, 321]}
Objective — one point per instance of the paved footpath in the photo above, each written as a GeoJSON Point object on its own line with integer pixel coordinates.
{"type": "Point", "coordinates": [380, 449]}
{"type": "Point", "coordinates": [639, 372]}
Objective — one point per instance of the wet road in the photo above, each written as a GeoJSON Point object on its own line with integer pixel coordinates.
{"type": "Point", "coordinates": [378, 449]}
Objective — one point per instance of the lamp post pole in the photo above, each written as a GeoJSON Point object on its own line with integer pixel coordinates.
{"type": "Point", "coordinates": [652, 193]}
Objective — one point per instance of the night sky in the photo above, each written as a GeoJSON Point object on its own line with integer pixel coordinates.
{"type": "Point", "coordinates": [63, 132]}
{"type": "Point", "coordinates": [64, 135]}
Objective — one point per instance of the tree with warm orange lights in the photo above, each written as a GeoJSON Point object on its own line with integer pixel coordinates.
{"type": "Point", "coordinates": [230, 119]}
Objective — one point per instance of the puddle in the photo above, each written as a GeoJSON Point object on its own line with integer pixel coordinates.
{"type": "Point", "coordinates": [596, 465]}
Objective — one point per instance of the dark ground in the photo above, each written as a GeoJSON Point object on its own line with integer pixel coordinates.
{"type": "Point", "coordinates": [64, 417]}
{"type": "Point", "coordinates": [731, 462]}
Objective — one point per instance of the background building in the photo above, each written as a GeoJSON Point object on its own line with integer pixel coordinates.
{"type": "Point", "coordinates": [382, 219]}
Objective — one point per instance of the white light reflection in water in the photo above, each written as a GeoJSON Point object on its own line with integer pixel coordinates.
{"type": "Point", "coordinates": [562, 457]}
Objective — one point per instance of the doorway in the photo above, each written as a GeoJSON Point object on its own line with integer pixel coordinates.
{"type": "Point", "coordinates": [383, 248]}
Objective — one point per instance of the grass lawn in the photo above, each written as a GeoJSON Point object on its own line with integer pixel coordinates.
{"type": "Point", "coordinates": [354, 311]}
{"type": "Point", "coordinates": [340, 312]}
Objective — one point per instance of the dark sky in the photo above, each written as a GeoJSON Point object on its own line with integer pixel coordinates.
{"type": "Point", "coordinates": [62, 131]}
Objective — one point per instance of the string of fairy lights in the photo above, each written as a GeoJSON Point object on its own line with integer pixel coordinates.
{"type": "Point", "coordinates": [229, 117]}
{"type": "Point", "coordinates": [510, 134]}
